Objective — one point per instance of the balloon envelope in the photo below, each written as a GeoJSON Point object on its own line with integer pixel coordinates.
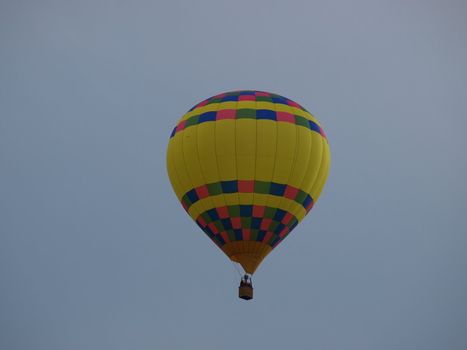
{"type": "Point", "coordinates": [248, 166]}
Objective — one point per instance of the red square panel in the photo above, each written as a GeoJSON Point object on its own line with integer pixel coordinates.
{"type": "Point", "coordinates": [213, 227]}
{"type": "Point", "coordinates": [236, 223]}
{"type": "Point", "coordinates": [285, 117]}
{"type": "Point", "coordinates": [225, 236]}
{"type": "Point", "coordinates": [293, 104]}
{"type": "Point", "coordinates": [284, 231]}
{"type": "Point", "coordinates": [265, 223]}
{"type": "Point", "coordinates": [261, 93]}
{"type": "Point", "coordinates": [246, 186]}
{"type": "Point", "coordinates": [286, 219]}
{"type": "Point", "coordinates": [247, 98]}
{"type": "Point", "coordinates": [180, 126]}
{"type": "Point", "coordinates": [226, 114]}
{"type": "Point", "coordinates": [223, 212]}
{"type": "Point", "coordinates": [267, 236]}
{"type": "Point", "coordinates": [203, 103]}
{"type": "Point", "coordinates": [246, 234]}
{"type": "Point", "coordinates": [201, 221]}
{"type": "Point", "coordinates": [202, 191]}
{"type": "Point", "coordinates": [258, 211]}
{"type": "Point", "coordinates": [321, 131]}
{"type": "Point", "coordinates": [290, 192]}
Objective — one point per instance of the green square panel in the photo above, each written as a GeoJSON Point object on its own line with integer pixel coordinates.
{"type": "Point", "coordinates": [214, 100]}
{"type": "Point", "coordinates": [263, 98]}
{"type": "Point", "coordinates": [262, 187]}
{"type": "Point", "coordinates": [192, 121]}
{"type": "Point", "coordinates": [273, 226]}
{"type": "Point", "coordinates": [246, 222]}
{"type": "Point", "coordinates": [300, 197]}
{"type": "Point", "coordinates": [206, 217]}
{"type": "Point", "coordinates": [214, 188]}
{"type": "Point", "coordinates": [299, 120]}
{"type": "Point", "coordinates": [231, 235]}
{"type": "Point", "coordinates": [186, 200]}
{"type": "Point", "coordinates": [219, 225]}
{"type": "Point", "coordinates": [254, 235]}
{"type": "Point", "coordinates": [274, 240]}
{"type": "Point", "coordinates": [271, 239]}
{"type": "Point", "coordinates": [246, 113]}
{"type": "Point", "coordinates": [270, 212]}
{"type": "Point", "coordinates": [293, 221]}
{"type": "Point", "coordinates": [234, 210]}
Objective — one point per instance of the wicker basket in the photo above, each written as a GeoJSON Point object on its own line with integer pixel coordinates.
{"type": "Point", "coordinates": [245, 291]}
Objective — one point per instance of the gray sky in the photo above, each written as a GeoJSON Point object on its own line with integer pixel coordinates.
{"type": "Point", "coordinates": [95, 250]}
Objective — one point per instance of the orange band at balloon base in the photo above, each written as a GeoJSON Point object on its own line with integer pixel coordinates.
{"type": "Point", "coordinates": [249, 254]}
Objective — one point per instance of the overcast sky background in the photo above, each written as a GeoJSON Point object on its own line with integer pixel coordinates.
{"type": "Point", "coordinates": [97, 253]}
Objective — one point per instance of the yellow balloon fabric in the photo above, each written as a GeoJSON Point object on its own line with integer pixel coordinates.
{"type": "Point", "coordinates": [248, 166]}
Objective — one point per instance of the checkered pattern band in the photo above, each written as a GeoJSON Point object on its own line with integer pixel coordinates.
{"type": "Point", "coordinates": [248, 95]}
{"type": "Point", "coordinates": [247, 223]}
{"type": "Point", "coordinates": [247, 186]}
{"type": "Point", "coordinates": [248, 113]}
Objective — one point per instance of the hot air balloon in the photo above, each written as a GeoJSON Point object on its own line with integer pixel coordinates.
{"type": "Point", "coordinates": [248, 166]}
